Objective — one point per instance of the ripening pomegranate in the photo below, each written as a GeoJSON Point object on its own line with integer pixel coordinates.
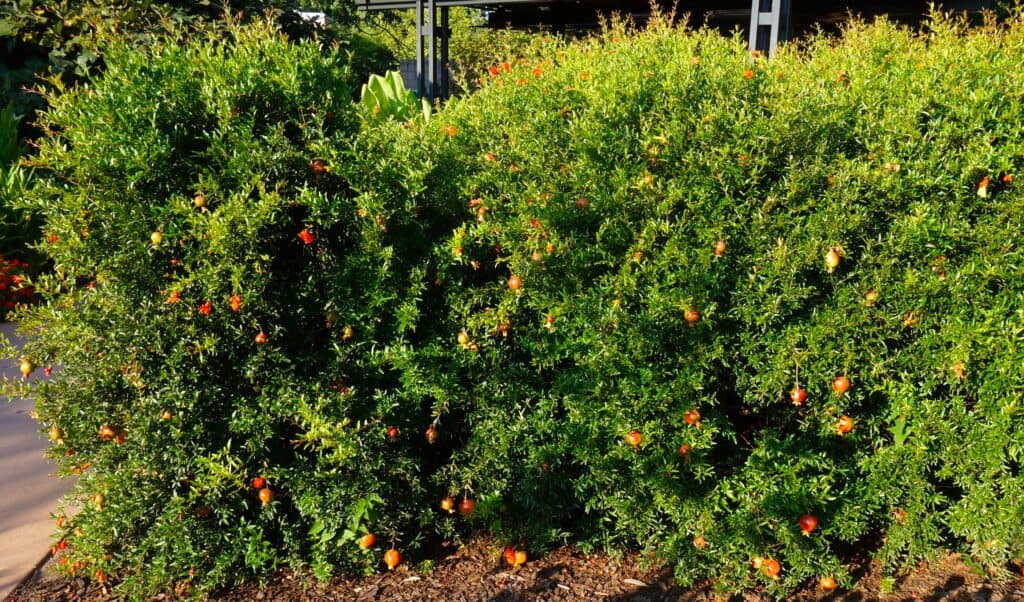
{"type": "Point", "coordinates": [808, 523]}
{"type": "Point", "coordinates": [798, 395]}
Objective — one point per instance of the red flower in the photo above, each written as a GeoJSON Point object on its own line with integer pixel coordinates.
{"type": "Point", "coordinates": [236, 302]}
{"type": "Point", "coordinates": [306, 236]}
{"type": "Point", "coordinates": [175, 297]}
{"type": "Point", "coordinates": [749, 74]}
{"type": "Point", "coordinates": [493, 71]}
{"type": "Point", "coordinates": [205, 308]}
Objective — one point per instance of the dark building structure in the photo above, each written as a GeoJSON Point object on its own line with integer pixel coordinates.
{"type": "Point", "coordinates": [765, 22]}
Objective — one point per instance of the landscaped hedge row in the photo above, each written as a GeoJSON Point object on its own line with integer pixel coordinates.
{"type": "Point", "coordinates": [644, 291]}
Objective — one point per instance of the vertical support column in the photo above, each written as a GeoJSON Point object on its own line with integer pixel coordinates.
{"type": "Point", "coordinates": [420, 87]}
{"type": "Point", "coordinates": [428, 75]}
{"type": "Point", "coordinates": [769, 24]}
{"type": "Point", "coordinates": [431, 34]}
{"type": "Point", "coordinates": [445, 76]}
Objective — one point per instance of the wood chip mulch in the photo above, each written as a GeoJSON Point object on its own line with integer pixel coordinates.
{"type": "Point", "coordinates": [476, 573]}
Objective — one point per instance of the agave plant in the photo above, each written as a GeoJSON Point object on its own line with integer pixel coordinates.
{"type": "Point", "coordinates": [386, 97]}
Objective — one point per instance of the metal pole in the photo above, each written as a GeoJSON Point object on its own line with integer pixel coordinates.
{"type": "Point", "coordinates": [420, 88]}
{"type": "Point", "coordinates": [445, 34]}
{"type": "Point", "coordinates": [782, 33]}
{"type": "Point", "coordinates": [769, 24]}
{"type": "Point", "coordinates": [432, 43]}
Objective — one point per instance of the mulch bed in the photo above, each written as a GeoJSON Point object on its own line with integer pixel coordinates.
{"type": "Point", "coordinates": [476, 573]}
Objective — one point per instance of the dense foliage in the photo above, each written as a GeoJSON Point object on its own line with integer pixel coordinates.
{"type": "Point", "coordinates": [644, 291]}
{"type": "Point", "coordinates": [17, 230]}
{"type": "Point", "coordinates": [38, 38]}
{"type": "Point", "coordinates": [691, 229]}
{"type": "Point", "coordinates": [472, 46]}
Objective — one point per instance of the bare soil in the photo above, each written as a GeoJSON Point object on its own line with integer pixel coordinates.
{"type": "Point", "coordinates": [476, 573]}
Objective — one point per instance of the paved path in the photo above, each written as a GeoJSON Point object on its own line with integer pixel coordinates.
{"type": "Point", "coordinates": [29, 493]}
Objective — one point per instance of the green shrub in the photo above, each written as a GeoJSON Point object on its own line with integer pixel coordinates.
{"type": "Point", "coordinates": [17, 230]}
{"type": "Point", "coordinates": [220, 312]}
{"type": "Point", "coordinates": [602, 176]}
{"type": "Point", "coordinates": [488, 305]}
{"type": "Point", "coordinates": [367, 57]}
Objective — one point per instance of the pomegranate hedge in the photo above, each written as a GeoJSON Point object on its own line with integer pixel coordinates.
{"type": "Point", "coordinates": [643, 291]}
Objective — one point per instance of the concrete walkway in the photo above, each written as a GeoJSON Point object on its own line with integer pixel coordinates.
{"type": "Point", "coordinates": [30, 493]}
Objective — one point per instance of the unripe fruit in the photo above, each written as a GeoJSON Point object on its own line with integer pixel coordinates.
{"type": "Point", "coordinates": [871, 297]}
{"type": "Point", "coordinates": [392, 558]}
{"type": "Point", "coordinates": [520, 558]}
{"type": "Point", "coordinates": [55, 433]}
{"type": "Point", "coordinates": [844, 425]}
{"type": "Point", "coordinates": [463, 338]}
{"type": "Point", "coordinates": [156, 238]}
{"type": "Point", "coordinates": [448, 505]}
{"type": "Point", "coordinates": [699, 542]}
{"type": "Point", "coordinates": [266, 495]}
{"type": "Point", "coordinates": [199, 200]}
{"type": "Point", "coordinates": [26, 366]}
{"type": "Point", "coordinates": [840, 385]}
{"type": "Point", "coordinates": [367, 541]}
{"type": "Point", "coordinates": [466, 506]}
{"type": "Point", "coordinates": [832, 259]}
{"type": "Point", "coordinates": [514, 282]}
{"type": "Point", "coordinates": [634, 438]}
{"type": "Point", "coordinates": [98, 500]}
{"type": "Point", "coordinates": [166, 415]}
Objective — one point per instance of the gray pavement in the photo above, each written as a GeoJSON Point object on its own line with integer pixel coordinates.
{"type": "Point", "coordinates": [30, 492]}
